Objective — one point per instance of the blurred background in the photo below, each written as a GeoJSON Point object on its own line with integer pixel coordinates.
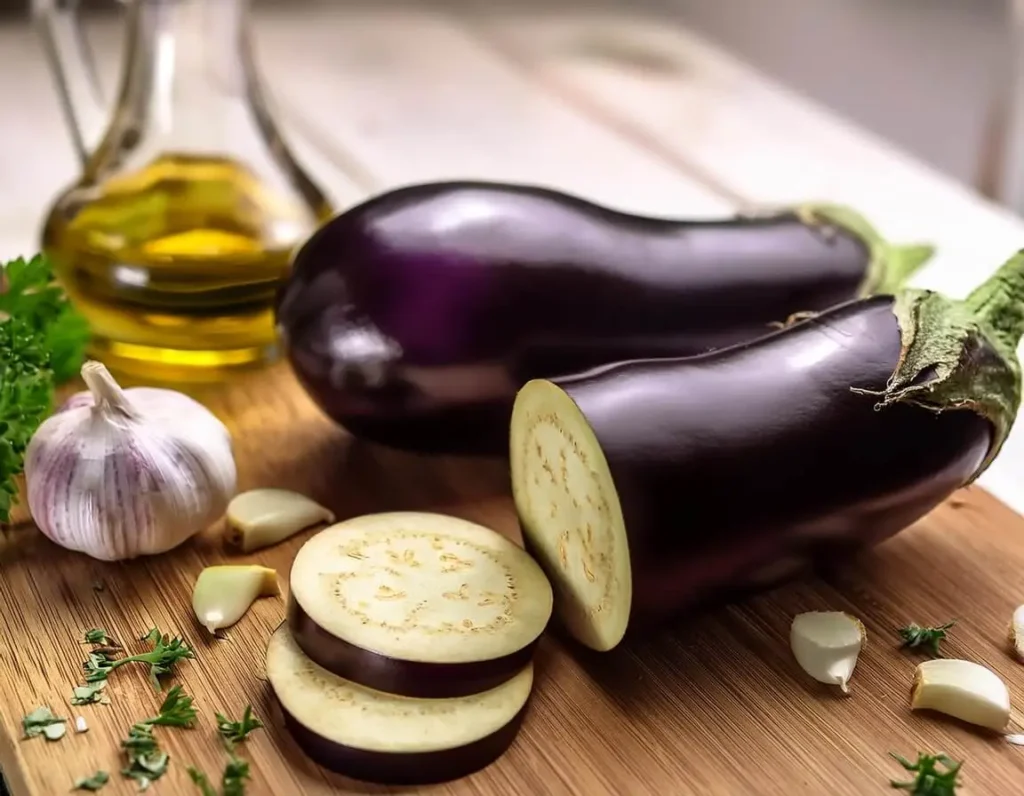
{"type": "Point", "coordinates": [933, 76]}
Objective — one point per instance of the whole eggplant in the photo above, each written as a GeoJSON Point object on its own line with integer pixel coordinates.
{"type": "Point", "coordinates": [649, 487]}
{"type": "Point", "coordinates": [414, 317]}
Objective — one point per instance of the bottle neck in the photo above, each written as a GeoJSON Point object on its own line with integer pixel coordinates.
{"type": "Point", "coordinates": [188, 64]}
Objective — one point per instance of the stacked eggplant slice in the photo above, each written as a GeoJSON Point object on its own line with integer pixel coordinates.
{"type": "Point", "coordinates": [407, 654]}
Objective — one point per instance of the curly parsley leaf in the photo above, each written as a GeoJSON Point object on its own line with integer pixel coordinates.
{"type": "Point", "coordinates": [33, 298]}
{"type": "Point", "coordinates": [42, 342]}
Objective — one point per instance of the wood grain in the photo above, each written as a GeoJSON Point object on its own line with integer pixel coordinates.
{"type": "Point", "coordinates": [713, 706]}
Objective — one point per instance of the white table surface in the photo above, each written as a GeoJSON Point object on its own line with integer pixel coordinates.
{"type": "Point", "coordinates": [634, 112]}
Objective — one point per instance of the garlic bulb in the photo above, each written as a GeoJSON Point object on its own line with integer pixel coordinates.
{"type": "Point", "coordinates": [121, 473]}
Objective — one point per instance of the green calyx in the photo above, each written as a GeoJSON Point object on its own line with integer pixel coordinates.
{"type": "Point", "coordinates": [889, 265]}
{"type": "Point", "coordinates": [963, 354]}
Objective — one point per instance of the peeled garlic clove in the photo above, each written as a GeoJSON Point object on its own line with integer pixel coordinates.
{"type": "Point", "coordinates": [962, 689]}
{"type": "Point", "coordinates": [123, 473]}
{"type": "Point", "coordinates": [223, 594]}
{"type": "Point", "coordinates": [1017, 631]}
{"type": "Point", "coordinates": [263, 517]}
{"type": "Point", "coordinates": [826, 644]}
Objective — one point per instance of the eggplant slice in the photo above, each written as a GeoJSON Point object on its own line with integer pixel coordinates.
{"type": "Point", "coordinates": [418, 604]}
{"type": "Point", "coordinates": [378, 737]}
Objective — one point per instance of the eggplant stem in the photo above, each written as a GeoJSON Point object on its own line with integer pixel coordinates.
{"type": "Point", "coordinates": [890, 265]}
{"type": "Point", "coordinates": [900, 263]}
{"type": "Point", "coordinates": [998, 303]}
{"type": "Point", "coordinates": [940, 366]}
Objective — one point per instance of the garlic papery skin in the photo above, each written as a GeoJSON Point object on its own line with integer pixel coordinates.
{"type": "Point", "coordinates": [827, 644]}
{"type": "Point", "coordinates": [962, 689]}
{"type": "Point", "coordinates": [123, 473]}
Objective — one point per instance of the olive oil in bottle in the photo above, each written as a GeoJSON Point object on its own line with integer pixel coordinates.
{"type": "Point", "coordinates": [177, 233]}
{"type": "Point", "coordinates": [177, 264]}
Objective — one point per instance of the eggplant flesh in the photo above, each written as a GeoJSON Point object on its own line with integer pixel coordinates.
{"type": "Point", "coordinates": [649, 487]}
{"type": "Point", "coordinates": [413, 318]}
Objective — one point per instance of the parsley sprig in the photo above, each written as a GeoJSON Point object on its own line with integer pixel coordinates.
{"type": "Point", "coordinates": [93, 783]}
{"type": "Point", "coordinates": [31, 295]}
{"type": "Point", "coordinates": [176, 710]}
{"type": "Point", "coordinates": [146, 760]}
{"type": "Point", "coordinates": [926, 638]}
{"type": "Point", "coordinates": [234, 732]}
{"type": "Point", "coordinates": [232, 782]}
{"type": "Point", "coordinates": [42, 343]}
{"type": "Point", "coordinates": [929, 780]}
{"type": "Point", "coordinates": [166, 652]}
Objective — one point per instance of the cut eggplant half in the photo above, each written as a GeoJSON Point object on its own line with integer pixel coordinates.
{"type": "Point", "coordinates": [651, 488]}
{"type": "Point", "coordinates": [379, 737]}
{"type": "Point", "coordinates": [418, 604]}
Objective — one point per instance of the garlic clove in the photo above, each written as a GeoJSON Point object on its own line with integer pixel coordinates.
{"type": "Point", "coordinates": [962, 689]}
{"type": "Point", "coordinates": [223, 594]}
{"type": "Point", "coordinates": [826, 644]}
{"type": "Point", "coordinates": [263, 517]}
{"type": "Point", "coordinates": [1017, 631]}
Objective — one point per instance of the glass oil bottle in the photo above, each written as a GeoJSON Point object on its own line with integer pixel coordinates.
{"type": "Point", "coordinates": [176, 236]}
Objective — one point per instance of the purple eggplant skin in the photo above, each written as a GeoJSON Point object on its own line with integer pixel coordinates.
{"type": "Point", "coordinates": [393, 676]}
{"type": "Point", "coordinates": [827, 436]}
{"type": "Point", "coordinates": [414, 317]}
{"type": "Point", "coordinates": [763, 451]}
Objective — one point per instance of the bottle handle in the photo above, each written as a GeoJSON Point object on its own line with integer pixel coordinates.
{"type": "Point", "coordinates": [73, 67]}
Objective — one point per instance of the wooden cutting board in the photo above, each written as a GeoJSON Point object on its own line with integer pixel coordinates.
{"type": "Point", "coordinates": [716, 706]}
